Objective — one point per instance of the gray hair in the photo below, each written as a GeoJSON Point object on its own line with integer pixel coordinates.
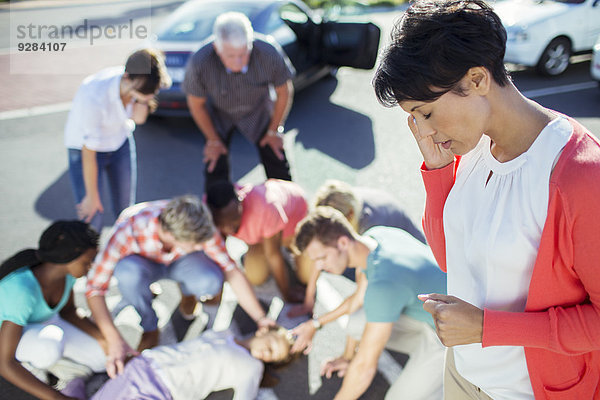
{"type": "Point", "coordinates": [233, 28]}
{"type": "Point", "coordinates": [187, 219]}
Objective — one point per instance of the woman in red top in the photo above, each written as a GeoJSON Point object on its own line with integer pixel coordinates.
{"type": "Point", "coordinates": [522, 273]}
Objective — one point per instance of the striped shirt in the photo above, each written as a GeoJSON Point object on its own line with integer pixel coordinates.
{"type": "Point", "coordinates": [242, 99]}
{"type": "Point", "coordinates": [136, 232]}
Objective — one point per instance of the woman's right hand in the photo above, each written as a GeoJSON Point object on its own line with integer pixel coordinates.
{"type": "Point", "coordinates": [118, 351]}
{"type": "Point", "coordinates": [434, 155]}
{"type": "Point", "coordinates": [89, 206]}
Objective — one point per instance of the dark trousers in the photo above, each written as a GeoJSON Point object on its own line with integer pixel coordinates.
{"type": "Point", "coordinates": [274, 167]}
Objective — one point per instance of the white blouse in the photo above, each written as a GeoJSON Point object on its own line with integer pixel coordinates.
{"type": "Point", "coordinates": [211, 362]}
{"type": "Point", "coordinates": [492, 232]}
{"type": "Point", "coordinates": [98, 118]}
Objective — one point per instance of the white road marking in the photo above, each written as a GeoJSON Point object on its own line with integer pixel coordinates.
{"type": "Point", "coordinates": [559, 89]}
{"type": "Point", "coordinates": [35, 111]}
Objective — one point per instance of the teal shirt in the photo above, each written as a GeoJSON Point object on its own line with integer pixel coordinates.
{"type": "Point", "coordinates": [400, 268]}
{"type": "Point", "coordinates": [22, 301]}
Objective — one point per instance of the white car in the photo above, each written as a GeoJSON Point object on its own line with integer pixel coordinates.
{"type": "Point", "coordinates": [595, 64]}
{"type": "Point", "coordinates": [545, 33]}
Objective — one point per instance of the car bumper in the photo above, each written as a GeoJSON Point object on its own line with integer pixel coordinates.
{"type": "Point", "coordinates": [524, 53]}
{"type": "Point", "coordinates": [172, 102]}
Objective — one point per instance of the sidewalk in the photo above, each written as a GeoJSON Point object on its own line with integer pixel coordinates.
{"type": "Point", "coordinates": [18, 91]}
{"type": "Point", "coordinates": [64, 70]}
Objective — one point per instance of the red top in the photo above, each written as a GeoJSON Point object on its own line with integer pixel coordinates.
{"type": "Point", "coordinates": [270, 208]}
{"type": "Point", "coordinates": [560, 328]}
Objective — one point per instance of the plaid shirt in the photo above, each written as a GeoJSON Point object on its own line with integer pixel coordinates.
{"type": "Point", "coordinates": [136, 232]}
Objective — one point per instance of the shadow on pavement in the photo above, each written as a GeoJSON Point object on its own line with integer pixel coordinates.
{"type": "Point", "coordinates": [339, 132]}
{"type": "Point", "coordinates": [169, 151]}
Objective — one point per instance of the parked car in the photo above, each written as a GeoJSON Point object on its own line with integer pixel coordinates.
{"type": "Point", "coordinates": [545, 33]}
{"type": "Point", "coordinates": [314, 47]}
{"type": "Point", "coordinates": [595, 64]}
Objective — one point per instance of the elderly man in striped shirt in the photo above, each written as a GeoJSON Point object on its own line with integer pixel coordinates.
{"type": "Point", "coordinates": [162, 240]}
{"type": "Point", "coordinates": [227, 85]}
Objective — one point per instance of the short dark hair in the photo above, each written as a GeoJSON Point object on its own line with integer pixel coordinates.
{"type": "Point", "coordinates": [324, 223]}
{"type": "Point", "coordinates": [434, 45]}
{"type": "Point", "coordinates": [148, 65]}
{"type": "Point", "coordinates": [219, 194]}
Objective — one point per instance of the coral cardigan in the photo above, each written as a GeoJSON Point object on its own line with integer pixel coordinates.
{"type": "Point", "coordinates": [560, 328]}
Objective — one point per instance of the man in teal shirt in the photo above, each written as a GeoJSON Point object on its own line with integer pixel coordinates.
{"type": "Point", "coordinates": [392, 268]}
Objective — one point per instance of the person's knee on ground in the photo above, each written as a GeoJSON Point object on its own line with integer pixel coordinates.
{"type": "Point", "coordinates": [41, 347]}
{"type": "Point", "coordinates": [255, 265]}
{"type": "Point", "coordinates": [199, 279]}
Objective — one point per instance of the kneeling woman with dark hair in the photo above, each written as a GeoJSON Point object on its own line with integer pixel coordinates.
{"type": "Point", "coordinates": [39, 324]}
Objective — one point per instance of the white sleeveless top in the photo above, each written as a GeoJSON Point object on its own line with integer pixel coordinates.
{"type": "Point", "coordinates": [493, 232]}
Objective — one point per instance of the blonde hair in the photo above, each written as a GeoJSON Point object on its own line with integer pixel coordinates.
{"type": "Point", "coordinates": [187, 219]}
{"type": "Point", "coordinates": [339, 195]}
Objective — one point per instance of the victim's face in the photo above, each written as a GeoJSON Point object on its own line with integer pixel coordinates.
{"type": "Point", "coordinates": [454, 121]}
{"type": "Point", "coordinates": [332, 259]}
{"type": "Point", "coordinates": [270, 346]}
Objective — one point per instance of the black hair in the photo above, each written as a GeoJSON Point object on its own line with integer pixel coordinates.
{"type": "Point", "coordinates": [219, 194]}
{"type": "Point", "coordinates": [148, 65]}
{"type": "Point", "coordinates": [61, 242]}
{"type": "Point", "coordinates": [433, 46]}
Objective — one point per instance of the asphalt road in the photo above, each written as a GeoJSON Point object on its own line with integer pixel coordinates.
{"type": "Point", "coordinates": [336, 129]}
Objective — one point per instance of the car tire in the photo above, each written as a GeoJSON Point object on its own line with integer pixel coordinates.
{"type": "Point", "coordinates": [555, 58]}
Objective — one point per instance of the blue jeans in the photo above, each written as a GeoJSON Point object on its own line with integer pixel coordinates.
{"type": "Point", "coordinates": [195, 272]}
{"type": "Point", "coordinates": [117, 166]}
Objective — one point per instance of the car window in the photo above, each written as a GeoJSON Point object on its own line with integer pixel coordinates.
{"type": "Point", "coordinates": [196, 23]}
{"type": "Point", "coordinates": [291, 12]}
{"type": "Point", "coordinates": [273, 23]}
{"type": "Point", "coordinates": [283, 31]}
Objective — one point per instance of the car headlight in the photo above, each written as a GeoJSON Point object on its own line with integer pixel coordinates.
{"type": "Point", "coordinates": [516, 34]}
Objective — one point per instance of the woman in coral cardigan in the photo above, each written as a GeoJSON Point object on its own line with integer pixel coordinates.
{"type": "Point", "coordinates": [512, 207]}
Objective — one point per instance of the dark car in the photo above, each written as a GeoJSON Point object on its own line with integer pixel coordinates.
{"type": "Point", "coordinates": [314, 47]}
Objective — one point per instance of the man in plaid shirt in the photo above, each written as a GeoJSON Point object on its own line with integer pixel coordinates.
{"type": "Point", "coordinates": [156, 240]}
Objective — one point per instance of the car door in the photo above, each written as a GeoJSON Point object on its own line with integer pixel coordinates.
{"type": "Point", "coordinates": [349, 44]}
{"type": "Point", "coordinates": [286, 24]}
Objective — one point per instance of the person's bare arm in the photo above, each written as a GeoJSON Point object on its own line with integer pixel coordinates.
{"type": "Point", "coordinates": [69, 314]}
{"type": "Point", "coordinates": [309, 297]}
{"type": "Point", "coordinates": [362, 368]}
{"type": "Point", "coordinates": [118, 349]}
{"type": "Point", "coordinates": [91, 202]}
{"type": "Point", "coordinates": [246, 297]}
{"type": "Point", "coordinates": [140, 111]}
{"type": "Point", "coordinates": [306, 331]}
{"type": "Point", "coordinates": [281, 108]}
{"type": "Point", "coordinates": [13, 371]}
{"type": "Point", "coordinates": [214, 147]}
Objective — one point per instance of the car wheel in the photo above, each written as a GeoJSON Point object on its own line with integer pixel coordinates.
{"type": "Point", "coordinates": [555, 58]}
